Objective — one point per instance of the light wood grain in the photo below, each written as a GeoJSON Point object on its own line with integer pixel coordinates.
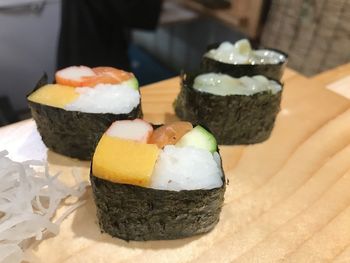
{"type": "Point", "coordinates": [288, 198]}
{"type": "Point", "coordinates": [333, 75]}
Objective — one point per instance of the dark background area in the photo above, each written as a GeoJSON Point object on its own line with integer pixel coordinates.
{"type": "Point", "coordinates": [316, 32]}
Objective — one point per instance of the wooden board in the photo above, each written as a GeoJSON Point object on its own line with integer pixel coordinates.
{"type": "Point", "coordinates": [334, 75]}
{"type": "Point", "coordinates": [288, 198]}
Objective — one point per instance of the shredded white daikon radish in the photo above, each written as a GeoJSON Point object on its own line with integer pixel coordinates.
{"type": "Point", "coordinates": [29, 198]}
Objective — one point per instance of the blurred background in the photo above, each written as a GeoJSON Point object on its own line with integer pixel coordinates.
{"type": "Point", "coordinates": [315, 34]}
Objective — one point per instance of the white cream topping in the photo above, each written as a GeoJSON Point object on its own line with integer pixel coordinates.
{"type": "Point", "coordinates": [223, 85]}
{"type": "Point", "coordinates": [241, 52]}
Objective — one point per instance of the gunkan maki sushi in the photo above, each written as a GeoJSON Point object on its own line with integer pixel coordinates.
{"type": "Point", "coordinates": [239, 59]}
{"type": "Point", "coordinates": [237, 110]}
{"type": "Point", "coordinates": [157, 182]}
{"type": "Point", "coordinates": [73, 113]}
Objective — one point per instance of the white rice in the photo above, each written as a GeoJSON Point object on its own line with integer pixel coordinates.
{"type": "Point", "coordinates": [186, 168]}
{"type": "Point", "coordinates": [105, 98]}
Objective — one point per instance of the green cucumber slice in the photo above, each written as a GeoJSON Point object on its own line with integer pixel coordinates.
{"type": "Point", "coordinates": [200, 138]}
{"type": "Point", "coordinates": [132, 83]}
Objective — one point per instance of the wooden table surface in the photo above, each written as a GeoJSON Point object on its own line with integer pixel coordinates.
{"type": "Point", "coordinates": [288, 198]}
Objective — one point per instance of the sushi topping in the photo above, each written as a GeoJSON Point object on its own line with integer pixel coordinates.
{"type": "Point", "coordinates": [174, 156]}
{"type": "Point", "coordinates": [55, 95]}
{"type": "Point", "coordinates": [135, 130]}
{"type": "Point", "coordinates": [103, 98]}
{"type": "Point", "coordinates": [241, 52]}
{"type": "Point", "coordinates": [112, 75]}
{"type": "Point", "coordinates": [123, 160]}
{"type": "Point", "coordinates": [180, 134]}
{"type": "Point", "coordinates": [82, 76]}
{"type": "Point", "coordinates": [97, 90]}
{"type": "Point", "coordinates": [170, 134]}
{"type": "Point", "coordinates": [223, 85]}
{"type": "Point", "coordinates": [200, 138]}
{"type": "Point", "coordinates": [75, 76]}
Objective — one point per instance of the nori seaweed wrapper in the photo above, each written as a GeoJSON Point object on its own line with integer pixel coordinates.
{"type": "Point", "coordinates": [271, 71]}
{"type": "Point", "coordinates": [233, 119]}
{"type": "Point", "coordinates": [73, 133]}
{"type": "Point", "coordinates": [133, 212]}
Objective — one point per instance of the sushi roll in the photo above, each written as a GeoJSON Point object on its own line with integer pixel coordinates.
{"type": "Point", "coordinates": [157, 182]}
{"type": "Point", "coordinates": [73, 113]}
{"type": "Point", "coordinates": [239, 59]}
{"type": "Point", "coordinates": [237, 110]}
